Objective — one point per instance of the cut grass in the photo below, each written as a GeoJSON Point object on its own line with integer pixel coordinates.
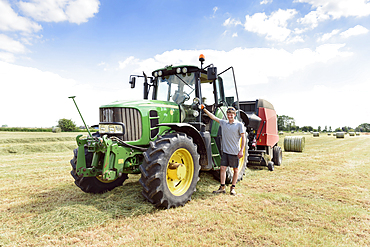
{"type": "Point", "coordinates": [316, 198]}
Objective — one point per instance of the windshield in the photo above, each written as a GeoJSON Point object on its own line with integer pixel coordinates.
{"type": "Point", "coordinates": [178, 88]}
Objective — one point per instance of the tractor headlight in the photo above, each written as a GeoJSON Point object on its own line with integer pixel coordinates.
{"type": "Point", "coordinates": [111, 128]}
{"type": "Point", "coordinates": [178, 70]}
{"type": "Point", "coordinates": [184, 70]}
{"type": "Point", "coordinates": [160, 73]}
{"type": "Point", "coordinates": [156, 74]}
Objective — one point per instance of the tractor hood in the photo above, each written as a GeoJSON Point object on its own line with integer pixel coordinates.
{"type": "Point", "coordinates": [141, 103]}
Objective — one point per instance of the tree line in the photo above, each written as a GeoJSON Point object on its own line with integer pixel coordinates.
{"type": "Point", "coordinates": [286, 123]}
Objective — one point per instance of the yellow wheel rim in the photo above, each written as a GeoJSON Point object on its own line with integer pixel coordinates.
{"type": "Point", "coordinates": [241, 160]}
{"type": "Point", "coordinates": [100, 178]}
{"type": "Point", "coordinates": [180, 172]}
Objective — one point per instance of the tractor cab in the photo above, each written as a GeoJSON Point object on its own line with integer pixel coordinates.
{"type": "Point", "coordinates": [188, 86]}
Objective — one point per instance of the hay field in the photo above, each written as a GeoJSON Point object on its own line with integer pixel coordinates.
{"type": "Point", "coordinates": [319, 197]}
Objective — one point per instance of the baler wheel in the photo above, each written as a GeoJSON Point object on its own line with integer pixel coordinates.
{"type": "Point", "coordinates": [270, 165]}
{"type": "Point", "coordinates": [278, 156]}
{"type": "Point", "coordinates": [93, 184]}
{"type": "Point", "coordinates": [170, 170]}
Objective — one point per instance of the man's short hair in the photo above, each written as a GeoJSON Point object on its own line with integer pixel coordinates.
{"type": "Point", "coordinates": [231, 110]}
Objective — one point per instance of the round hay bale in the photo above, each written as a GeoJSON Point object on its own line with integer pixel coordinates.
{"type": "Point", "coordinates": [357, 133]}
{"type": "Point", "coordinates": [294, 143]}
{"type": "Point", "coordinates": [351, 133]}
{"type": "Point", "coordinates": [329, 134]}
{"type": "Point", "coordinates": [57, 130]}
{"type": "Point", "coordinates": [334, 134]}
{"type": "Point", "coordinates": [340, 134]}
{"type": "Point", "coordinates": [281, 133]}
{"type": "Point", "coordinates": [316, 134]}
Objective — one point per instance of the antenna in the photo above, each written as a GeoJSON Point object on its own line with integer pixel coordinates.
{"type": "Point", "coordinates": [73, 98]}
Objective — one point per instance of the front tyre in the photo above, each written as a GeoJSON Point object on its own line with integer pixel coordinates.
{"type": "Point", "coordinates": [170, 171]}
{"type": "Point", "coordinates": [93, 185]}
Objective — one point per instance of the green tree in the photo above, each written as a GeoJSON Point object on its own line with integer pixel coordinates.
{"type": "Point", "coordinates": [365, 127]}
{"type": "Point", "coordinates": [285, 122]}
{"type": "Point", "coordinates": [307, 128]}
{"type": "Point", "coordinates": [67, 125]}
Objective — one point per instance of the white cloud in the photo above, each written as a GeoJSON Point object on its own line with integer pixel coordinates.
{"type": "Point", "coordinates": [234, 35]}
{"type": "Point", "coordinates": [128, 61]}
{"type": "Point", "coordinates": [357, 30]}
{"type": "Point", "coordinates": [327, 36]}
{"type": "Point", "coordinates": [266, 1]}
{"type": "Point", "coordinates": [335, 9]}
{"type": "Point", "coordinates": [11, 21]}
{"type": "Point", "coordinates": [7, 57]}
{"type": "Point", "coordinates": [42, 96]}
{"type": "Point", "coordinates": [10, 45]}
{"type": "Point", "coordinates": [231, 22]}
{"type": "Point", "coordinates": [214, 10]}
{"type": "Point", "coordinates": [74, 11]}
{"type": "Point", "coordinates": [274, 27]}
{"type": "Point", "coordinates": [313, 18]}
{"type": "Point", "coordinates": [256, 64]}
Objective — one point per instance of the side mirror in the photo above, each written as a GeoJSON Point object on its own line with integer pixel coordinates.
{"type": "Point", "coordinates": [212, 73]}
{"type": "Point", "coordinates": [132, 82]}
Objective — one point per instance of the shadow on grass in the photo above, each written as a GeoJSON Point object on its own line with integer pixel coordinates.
{"type": "Point", "coordinates": [65, 208]}
{"type": "Point", "coordinates": [123, 201]}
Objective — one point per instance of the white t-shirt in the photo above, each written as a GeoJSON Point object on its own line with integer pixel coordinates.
{"type": "Point", "coordinates": [231, 136]}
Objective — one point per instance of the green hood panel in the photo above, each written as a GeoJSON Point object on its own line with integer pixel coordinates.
{"type": "Point", "coordinates": [152, 113]}
{"type": "Point", "coordinates": [142, 103]}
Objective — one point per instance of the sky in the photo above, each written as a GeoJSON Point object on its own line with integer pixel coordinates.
{"type": "Point", "coordinates": [309, 58]}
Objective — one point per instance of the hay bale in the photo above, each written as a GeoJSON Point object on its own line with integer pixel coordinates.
{"type": "Point", "coordinates": [281, 133]}
{"type": "Point", "coordinates": [329, 134]}
{"type": "Point", "coordinates": [340, 135]}
{"type": "Point", "coordinates": [351, 133]}
{"type": "Point", "coordinates": [316, 134]}
{"type": "Point", "coordinates": [57, 130]}
{"type": "Point", "coordinates": [294, 143]}
{"type": "Point", "coordinates": [357, 133]}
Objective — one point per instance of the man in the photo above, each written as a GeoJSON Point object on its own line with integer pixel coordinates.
{"type": "Point", "coordinates": [231, 132]}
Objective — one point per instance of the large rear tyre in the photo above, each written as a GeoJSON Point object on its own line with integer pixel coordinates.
{"type": "Point", "coordinates": [277, 155]}
{"type": "Point", "coordinates": [170, 170]}
{"type": "Point", "coordinates": [241, 168]}
{"type": "Point", "coordinates": [93, 184]}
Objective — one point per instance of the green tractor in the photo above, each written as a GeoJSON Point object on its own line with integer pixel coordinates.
{"type": "Point", "coordinates": [165, 137]}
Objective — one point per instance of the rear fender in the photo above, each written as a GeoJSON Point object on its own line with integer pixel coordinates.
{"type": "Point", "coordinates": [197, 139]}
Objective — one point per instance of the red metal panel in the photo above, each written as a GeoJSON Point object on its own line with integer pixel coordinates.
{"type": "Point", "coordinates": [269, 135]}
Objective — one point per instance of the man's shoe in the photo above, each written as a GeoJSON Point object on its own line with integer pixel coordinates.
{"type": "Point", "coordinates": [232, 191]}
{"type": "Point", "coordinates": [220, 190]}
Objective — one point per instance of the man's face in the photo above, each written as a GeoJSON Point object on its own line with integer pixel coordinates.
{"type": "Point", "coordinates": [230, 116]}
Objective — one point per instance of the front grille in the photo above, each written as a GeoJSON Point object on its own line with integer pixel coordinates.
{"type": "Point", "coordinates": [130, 117]}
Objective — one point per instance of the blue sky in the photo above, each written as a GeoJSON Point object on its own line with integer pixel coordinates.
{"type": "Point", "coordinates": [309, 58]}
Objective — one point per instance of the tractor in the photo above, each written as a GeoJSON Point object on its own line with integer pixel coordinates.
{"type": "Point", "coordinates": [165, 137]}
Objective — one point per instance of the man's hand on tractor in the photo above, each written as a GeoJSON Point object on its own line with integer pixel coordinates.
{"type": "Point", "coordinates": [240, 154]}
{"type": "Point", "coordinates": [201, 106]}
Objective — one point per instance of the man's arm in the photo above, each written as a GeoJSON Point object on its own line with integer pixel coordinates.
{"type": "Point", "coordinates": [240, 154]}
{"type": "Point", "coordinates": [210, 115]}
